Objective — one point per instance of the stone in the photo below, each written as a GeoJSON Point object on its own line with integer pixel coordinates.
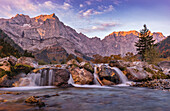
{"type": "Point", "coordinates": [107, 82]}
{"type": "Point", "coordinates": [81, 76]}
{"type": "Point", "coordinates": [109, 75]}
{"type": "Point", "coordinates": [12, 60]}
{"type": "Point", "coordinates": [4, 64]}
{"type": "Point", "coordinates": [165, 66]}
{"type": "Point", "coordinates": [162, 84]}
{"type": "Point", "coordinates": [88, 66]}
{"type": "Point", "coordinates": [61, 77]}
{"type": "Point", "coordinates": [73, 62]}
{"type": "Point", "coordinates": [27, 61]}
{"type": "Point", "coordinates": [31, 99]}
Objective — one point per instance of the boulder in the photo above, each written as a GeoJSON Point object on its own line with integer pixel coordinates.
{"type": "Point", "coordinates": [12, 60]}
{"type": "Point", "coordinates": [4, 64]}
{"type": "Point", "coordinates": [109, 75]}
{"type": "Point", "coordinates": [88, 66]}
{"type": "Point", "coordinates": [31, 100]}
{"type": "Point", "coordinates": [73, 62]}
{"type": "Point", "coordinates": [163, 84]}
{"type": "Point", "coordinates": [165, 66]}
{"type": "Point", "coordinates": [27, 61]}
{"type": "Point", "coordinates": [117, 63]}
{"type": "Point", "coordinates": [6, 82]}
{"type": "Point", "coordinates": [61, 77]}
{"type": "Point", "coordinates": [81, 76]}
{"type": "Point", "coordinates": [137, 74]}
{"type": "Point", "coordinates": [107, 82]}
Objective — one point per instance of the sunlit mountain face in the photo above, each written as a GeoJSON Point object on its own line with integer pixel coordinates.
{"type": "Point", "coordinates": [97, 17]}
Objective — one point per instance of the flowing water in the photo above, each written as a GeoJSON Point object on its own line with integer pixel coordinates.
{"type": "Point", "coordinates": [83, 97]}
{"type": "Point", "coordinates": [90, 99]}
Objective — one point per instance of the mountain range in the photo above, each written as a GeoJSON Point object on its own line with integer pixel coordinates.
{"type": "Point", "coordinates": [50, 40]}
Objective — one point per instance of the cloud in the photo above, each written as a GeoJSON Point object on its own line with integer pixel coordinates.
{"type": "Point", "coordinates": [105, 26]}
{"type": "Point", "coordinates": [102, 9]}
{"type": "Point", "coordinates": [88, 2]}
{"type": "Point", "coordinates": [10, 7]}
{"type": "Point", "coordinates": [81, 5]}
{"type": "Point", "coordinates": [66, 6]}
{"type": "Point", "coordinates": [117, 2]}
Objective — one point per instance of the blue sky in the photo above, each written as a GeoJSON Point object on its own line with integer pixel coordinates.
{"type": "Point", "coordinates": [97, 17]}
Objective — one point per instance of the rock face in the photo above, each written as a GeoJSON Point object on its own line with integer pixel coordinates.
{"type": "Point", "coordinates": [27, 61]}
{"type": "Point", "coordinates": [81, 76]}
{"type": "Point", "coordinates": [38, 34]}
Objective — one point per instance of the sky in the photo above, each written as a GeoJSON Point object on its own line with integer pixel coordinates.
{"type": "Point", "coordinates": [97, 17]}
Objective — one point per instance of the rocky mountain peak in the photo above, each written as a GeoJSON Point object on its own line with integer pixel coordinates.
{"type": "Point", "coordinates": [38, 33]}
{"type": "Point", "coordinates": [124, 33]}
{"type": "Point", "coordinates": [158, 33]}
{"type": "Point", "coordinates": [45, 17]}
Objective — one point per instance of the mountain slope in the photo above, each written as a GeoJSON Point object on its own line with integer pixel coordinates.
{"type": "Point", "coordinates": [8, 47]}
{"type": "Point", "coordinates": [45, 31]}
{"type": "Point", "coordinates": [164, 47]}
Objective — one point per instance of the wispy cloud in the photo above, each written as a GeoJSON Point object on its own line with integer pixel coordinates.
{"type": "Point", "coordinates": [88, 2]}
{"type": "Point", "coordinates": [102, 9]}
{"type": "Point", "coordinates": [105, 26]}
{"type": "Point", "coordinates": [10, 7]}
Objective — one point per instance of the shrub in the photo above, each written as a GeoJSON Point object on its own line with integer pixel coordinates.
{"type": "Point", "coordinates": [18, 68]}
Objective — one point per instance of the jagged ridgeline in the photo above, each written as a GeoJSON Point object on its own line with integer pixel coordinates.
{"type": "Point", "coordinates": [9, 47]}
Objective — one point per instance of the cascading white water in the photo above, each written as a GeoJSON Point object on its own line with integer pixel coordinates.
{"type": "Point", "coordinates": [50, 78]}
{"type": "Point", "coordinates": [31, 79]}
{"type": "Point", "coordinates": [71, 81]}
{"type": "Point", "coordinates": [123, 78]}
{"type": "Point", "coordinates": [44, 78]}
{"type": "Point", "coordinates": [96, 82]}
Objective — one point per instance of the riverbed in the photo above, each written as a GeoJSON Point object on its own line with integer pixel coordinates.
{"type": "Point", "coordinates": [88, 99]}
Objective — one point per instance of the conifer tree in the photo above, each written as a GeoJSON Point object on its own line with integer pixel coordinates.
{"type": "Point", "coordinates": [145, 42]}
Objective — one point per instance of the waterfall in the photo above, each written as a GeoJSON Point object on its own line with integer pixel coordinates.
{"type": "Point", "coordinates": [44, 78]}
{"type": "Point", "coordinates": [96, 77]}
{"type": "Point", "coordinates": [31, 79]}
{"type": "Point", "coordinates": [50, 78]}
{"type": "Point", "coordinates": [71, 81]}
{"type": "Point", "coordinates": [123, 78]}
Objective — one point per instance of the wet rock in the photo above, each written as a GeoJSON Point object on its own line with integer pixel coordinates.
{"type": "Point", "coordinates": [61, 77]}
{"type": "Point", "coordinates": [12, 60]}
{"type": "Point", "coordinates": [81, 76]}
{"type": "Point", "coordinates": [117, 63]}
{"type": "Point", "coordinates": [163, 84]}
{"type": "Point", "coordinates": [14, 93]}
{"type": "Point", "coordinates": [109, 75]}
{"type": "Point", "coordinates": [31, 100]}
{"type": "Point", "coordinates": [3, 100]}
{"type": "Point", "coordinates": [107, 82]}
{"type": "Point", "coordinates": [27, 61]}
{"type": "Point", "coordinates": [40, 103]}
{"type": "Point", "coordinates": [6, 82]}
{"type": "Point", "coordinates": [34, 100]}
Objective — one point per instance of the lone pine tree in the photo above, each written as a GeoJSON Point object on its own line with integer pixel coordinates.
{"type": "Point", "coordinates": [145, 42]}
